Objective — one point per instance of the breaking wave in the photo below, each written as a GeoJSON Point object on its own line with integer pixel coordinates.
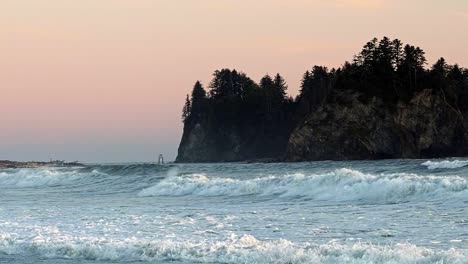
{"type": "Point", "coordinates": [339, 185]}
{"type": "Point", "coordinates": [236, 249]}
{"type": "Point", "coordinates": [446, 164]}
{"type": "Point", "coordinates": [88, 175]}
{"type": "Point", "coordinates": [24, 178]}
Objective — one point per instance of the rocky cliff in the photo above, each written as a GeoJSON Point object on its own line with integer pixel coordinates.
{"type": "Point", "coordinates": [386, 103]}
{"type": "Point", "coordinates": [345, 128]}
{"type": "Point", "coordinates": [204, 141]}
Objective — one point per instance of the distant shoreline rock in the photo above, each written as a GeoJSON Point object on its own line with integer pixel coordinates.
{"type": "Point", "coordinates": [8, 164]}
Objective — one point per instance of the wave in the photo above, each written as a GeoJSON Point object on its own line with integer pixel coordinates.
{"type": "Point", "coordinates": [339, 185]}
{"type": "Point", "coordinates": [57, 176]}
{"type": "Point", "coordinates": [446, 164]}
{"type": "Point", "coordinates": [235, 249]}
{"type": "Point", "coordinates": [129, 169]}
{"type": "Point", "coordinates": [24, 178]}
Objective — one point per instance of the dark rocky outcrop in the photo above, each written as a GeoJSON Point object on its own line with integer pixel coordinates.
{"type": "Point", "coordinates": [384, 104]}
{"type": "Point", "coordinates": [342, 129]}
{"type": "Point", "coordinates": [204, 141]}
{"type": "Point", "coordinates": [345, 128]}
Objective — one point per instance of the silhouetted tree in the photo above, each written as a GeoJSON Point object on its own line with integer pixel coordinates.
{"type": "Point", "coordinates": [438, 75]}
{"type": "Point", "coordinates": [267, 86]}
{"type": "Point", "coordinates": [397, 53]}
{"type": "Point", "coordinates": [227, 83]}
{"type": "Point", "coordinates": [280, 87]}
{"type": "Point", "coordinates": [186, 110]}
{"type": "Point", "coordinates": [198, 99]}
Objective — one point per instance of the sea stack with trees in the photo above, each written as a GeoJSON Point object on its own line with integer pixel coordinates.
{"type": "Point", "coordinates": [386, 103]}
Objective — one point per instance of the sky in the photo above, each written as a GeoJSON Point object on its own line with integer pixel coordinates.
{"type": "Point", "coordinates": [105, 80]}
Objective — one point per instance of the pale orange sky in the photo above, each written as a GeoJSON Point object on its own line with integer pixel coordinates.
{"type": "Point", "coordinates": [104, 80]}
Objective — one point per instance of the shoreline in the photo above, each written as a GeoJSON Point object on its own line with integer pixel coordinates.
{"type": "Point", "coordinates": [8, 164]}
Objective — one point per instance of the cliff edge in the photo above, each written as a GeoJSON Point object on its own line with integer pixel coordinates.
{"type": "Point", "coordinates": [346, 129]}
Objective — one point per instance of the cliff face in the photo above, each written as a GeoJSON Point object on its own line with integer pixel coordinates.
{"type": "Point", "coordinates": [346, 128]}
{"type": "Point", "coordinates": [342, 129]}
{"type": "Point", "coordinates": [204, 141]}
{"type": "Point", "coordinates": [196, 145]}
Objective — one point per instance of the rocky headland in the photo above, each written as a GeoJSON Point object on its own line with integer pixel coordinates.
{"type": "Point", "coordinates": [385, 104]}
{"type": "Point", "coordinates": [425, 127]}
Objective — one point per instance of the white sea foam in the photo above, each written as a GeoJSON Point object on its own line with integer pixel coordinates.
{"type": "Point", "coordinates": [446, 164]}
{"type": "Point", "coordinates": [339, 185]}
{"type": "Point", "coordinates": [23, 178]}
{"type": "Point", "coordinates": [236, 249]}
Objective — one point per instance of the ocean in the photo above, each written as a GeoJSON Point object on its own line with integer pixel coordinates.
{"type": "Point", "coordinates": [390, 211]}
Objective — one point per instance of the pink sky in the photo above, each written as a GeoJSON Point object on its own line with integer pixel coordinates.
{"type": "Point", "coordinates": [104, 80]}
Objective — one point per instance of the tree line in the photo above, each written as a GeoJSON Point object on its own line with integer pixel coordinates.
{"type": "Point", "coordinates": [385, 69]}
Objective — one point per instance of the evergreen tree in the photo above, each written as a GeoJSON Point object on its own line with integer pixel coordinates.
{"type": "Point", "coordinates": [368, 54]}
{"type": "Point", "coordinates": [267, 85]}
{"type": "Point", "coordinates": [221, 85]}
{"type": "Point", "coordinates": [305, 84]}
{"type": "Point", "coordinates": [198, 101]}
{"type": "Point", "coordinates": [439, 73]}
{"type": "Point", "coordinates": [186, 109]}
{"type": "Point", "coordinates": [410, 70]}
{"type": "Point", "coordinates": [440, 68]}
{"type": "Point", "coordinates": [230, 84]}
{"type": "Point", "coordinates": [385, 55]}
{"type": "Point", "coordinates": [397, 53]}
{"type": "Point", "coordinates": [315, 86]}
{"type": "Point", "coordinates": [280, 86]}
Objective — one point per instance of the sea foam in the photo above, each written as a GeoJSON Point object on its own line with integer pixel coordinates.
{"type": "Point", "coordinates": [24, 178]}
{"type": "Point", "coordinates": [235, 249]}
{"type": "Point", "coordinates": [446, 164]}
{"type": "Point", "coordinates": [338, 185]}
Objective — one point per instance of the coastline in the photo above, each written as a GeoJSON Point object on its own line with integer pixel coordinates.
{"type": "Point", "coordinates": [8, 164]}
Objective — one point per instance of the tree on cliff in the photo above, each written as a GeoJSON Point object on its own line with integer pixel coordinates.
{"type": "Point", "coordinates": [199, 103]}
{"type": "Point", "coordinates": [280, 86]}
{"type": "Point", "coordinates": [196, 105]}
{"type": "Point", "coordinates": [387, 69]}
{"type": "Point", "coordinates": [231, 95]}
{"type": "Point", "coordinates": [411, 71]}
{"type": "Point", "coordinates": [230, 84]}
{"type": "Point", "coordinates": [267, 86]}
{"type": "Point", "coordinates": [450, 82]}
{"type": "Point", "coordinates": [186, 109]}
{"type": "Point", "coordinates": [315, 86]}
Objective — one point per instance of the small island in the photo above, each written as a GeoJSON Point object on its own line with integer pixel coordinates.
{"type": "Point", "coordinates": [387, 103]}
{"type": "Point", "coordinates": [8, 164]}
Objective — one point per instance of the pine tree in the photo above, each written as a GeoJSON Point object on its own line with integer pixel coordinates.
{"type": "Point", "coordinates": [198, 100]}
{"type": "Point", "coordinates": [305, 84]}
{"type": "Point", "coordinates": [230, 84]}
{"type": "Point", "coordinates": [385, 54]}
{"type": "Point", "coordinates": [397, 53]}
{"type": "Point", "coordinates": [267, 86]}
{"type": "Point", "coordinates": [186, 109]}
{"type": "Point", "coordinates": [280, 86]}
{"type": "Point", "coordinates": [439, 72]}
